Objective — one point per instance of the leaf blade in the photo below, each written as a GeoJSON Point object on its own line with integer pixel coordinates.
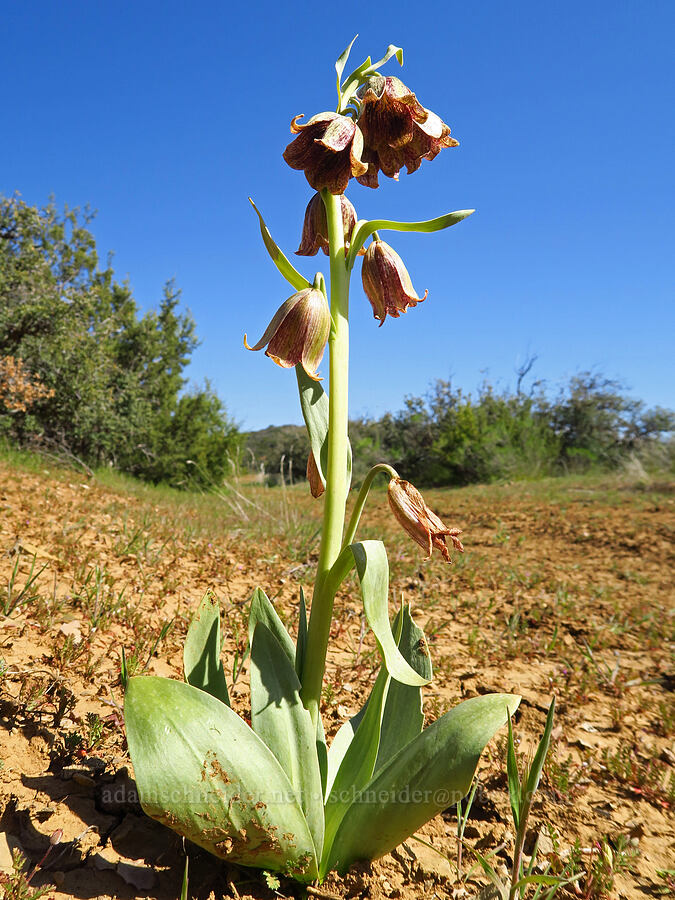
{"type": "Point", "coordinates": [283, 264]}
{"type": "Point", "coordinates": [201, 652]}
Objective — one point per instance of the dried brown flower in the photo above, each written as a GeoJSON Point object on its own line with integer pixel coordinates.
{"type": "Point", "coordinates": [316, 485]}
{"type": "Point", "coordinates": [421, 523]}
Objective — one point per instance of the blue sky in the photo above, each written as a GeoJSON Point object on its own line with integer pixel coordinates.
{"type": "Point", "coordinates": [165, 117]}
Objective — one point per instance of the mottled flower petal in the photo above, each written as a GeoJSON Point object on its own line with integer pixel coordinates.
{"type": "Point", "coordinates": [315, 226]}
{"type": "Point", "coordinates": [328, 149]}
{"type": "Point", "coordinates": [386, 282]}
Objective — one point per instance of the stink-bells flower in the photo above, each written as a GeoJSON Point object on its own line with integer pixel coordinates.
{"type": "Point", "coordinates": [315, 227]}
{"type": "Point", "coordinates": [386, 282]}
{"type": "Point", "coordinates": [397, 130]}
{"type": "Point", "coordinates": [298, 333]}
{"type": "Point", "coordinates": [421, 523]}
{"type": "Point", "coordinates": [328, 150]}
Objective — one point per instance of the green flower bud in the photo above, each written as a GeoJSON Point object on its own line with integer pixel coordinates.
{"type": "Point", "coordinates": [397, 130]}
{"type": "Point", "coordinates": [315, 227]}
{"type": "Point", "coordinates": [328, 150]}
{"type": "Point", "coordinates": [386, 282]}
{"type": "Point", "coordinates": [298, 333]}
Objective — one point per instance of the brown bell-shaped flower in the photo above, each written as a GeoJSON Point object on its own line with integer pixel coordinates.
{"type": "Point", "coordinates": [386, 282]}
{"type": "Point", "coordinates": [315, 227]}
{"type": "Point", "coordinates": [316, 484]}
{"type": "Point", "coordinates": [298, 333]}
{"type": "Point", "coordinates": [421, 523]}
{"type": "Point", "coordinates": [397, 130]}
{"type": "Point", "coordinates": [328, 150]}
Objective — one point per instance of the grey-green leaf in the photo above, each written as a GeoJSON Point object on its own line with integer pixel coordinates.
{"type": "Point", "coordinates": [364, 228]}
{"type": "Point", "coordinates": [372, 566]}
{"type": "Point", "coordinates": [314, 405]}
{"type": "Point", "coordinates": [342, 61]}
{"type": "Point", "coordinates": [201, 652]}
{"type": "Point", "coordinates": [263, 611]}
{"type": "Point", "coordinates": [431, 773]}
{"type": "Point", "coordinates": [284, 725]}
{"type": "Point", "coordinates": [203, 772]}
{"type": "Point", "coordinates": [301, 644]}
{"type": "Point", "coordinates": [287, 269]}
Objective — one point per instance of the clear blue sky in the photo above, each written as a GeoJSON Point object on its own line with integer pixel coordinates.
{"type": "Point", "coordinates": [165, 116]}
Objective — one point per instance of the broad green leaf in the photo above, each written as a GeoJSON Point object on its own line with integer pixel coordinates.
{"type": "Point", "coordinates": [284, 725]}
{"type": "Point", "coordinates": [431, 773]}
{"type": "Point", "coordinates": [203, 772]}
{"type": "Point", "coordinates": [370, 558]}
{"type": "Point", "coordinates": [358, 763]}
{"type": "Point", "coordinates": [201, 651]}
{"type": "Point", "coordinates": [403, 718]}
{"type": "Point", "coordinates": [314, 405]}
{"type": "Point", "coordinates": [364, 229]}
{"type": "Point", "coordinates": [301, 644]}
{"type": "Point", "coordinates": [263, 611]}
{"type": "Point", "coordinates": [287, 269]}
{"type": "Point", "coordinates": [540, 754]}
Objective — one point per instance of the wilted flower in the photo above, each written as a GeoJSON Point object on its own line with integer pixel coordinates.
{"type": "Point", "coordinates": [316, 485]}
{"type": "Point", "coordinates": [328, 150]}
{"type": "Point", "coordinates": [298, 332]}
{"type": "Point", "coordinates": [397, 130]}
{"type": "Point", "coordinates": [386, 282]}
{"type": "Point", "coordinates": [315, 227]}
{"type": "Point", "coordinates": [419, 521]}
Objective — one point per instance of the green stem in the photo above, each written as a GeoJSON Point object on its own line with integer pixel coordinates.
{"type": "Point", "coordinates": [362, 497]}
{"type": "Point", "coordinates": [336, 475]}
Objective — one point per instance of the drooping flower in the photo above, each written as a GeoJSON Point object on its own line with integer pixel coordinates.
{"type": "Point", "coordinates": [421, 523]}
{"type": "Point", "coordinates": [328, 150]}
{"type": "Point", "coordinates": [298, 333]}
{"type": "Point", "coordinates": [397, 130]}
{"type": "Point", "coordinates": [315, 227]}
{"type": "Point", "coordinates": [316, 484]}
{"type": "Point", "coordinates": [386, 282]}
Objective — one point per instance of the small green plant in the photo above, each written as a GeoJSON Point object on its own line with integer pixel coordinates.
{"type": "Point", "coordinates": [275, 796]}
{"type": "Point", "coordinates": [18, 595]}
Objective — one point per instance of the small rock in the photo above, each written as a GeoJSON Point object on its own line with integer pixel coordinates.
{"type": "Point", "coordinates": [431, 864]}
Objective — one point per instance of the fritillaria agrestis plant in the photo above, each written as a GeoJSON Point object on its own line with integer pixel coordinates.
{"type": "Point", "coordinates": [273, 795]}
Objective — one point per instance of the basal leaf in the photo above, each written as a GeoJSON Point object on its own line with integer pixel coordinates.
{"type": "Point", "coordinates": [205, 774]}
{"type": "Point", "coordinates": [262, 610]}
{"type": "Point", "coordinates": [431, 773]}
{"type": "Point", "coordinates": [290, 273]}
{"type": "Point", "coordinates": [284, 725]}
{"type": "Point", "coordinates": [301, 644]}
{"type": "Point", "coordinates": [370, 558]}
{"type": "Point", "coordinates": [201, 651]}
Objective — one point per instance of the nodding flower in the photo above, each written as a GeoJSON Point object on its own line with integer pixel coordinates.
{"type": "Point", "coordinates": [315, 227]}
{"type": "Point", "coordinates": [298, 333]}
{"type": "Point", "coordinates": [328, 150]}
{"type": "Point", "coordinates": [386, 282]}
{"type": "Point", "coordinates": [421, 523]}
{"type": "Point", "coordinates": [397, 130]}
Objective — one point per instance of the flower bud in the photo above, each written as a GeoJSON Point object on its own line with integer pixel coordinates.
{"type": "Point", "coordinates": [397, 130]}
{"type": "Point", "coordinates": [421, 523]}
{"type": "Point", "coordinates": [316, 485]}
{"type": "Point", "coordinates": [315, 227]}
{"type": "Point", "coordinates": [328, 150]}
{"type": "Point", "coordinates": [298, 333]}
{"type": "Point", "coordinates": [386, 282]}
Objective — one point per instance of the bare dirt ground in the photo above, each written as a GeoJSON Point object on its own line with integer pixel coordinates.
{"type": "Point", "coordinates": [566, 589]}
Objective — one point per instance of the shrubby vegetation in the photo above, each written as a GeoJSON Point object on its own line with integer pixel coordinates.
{"type": "Point", "coordinates": [453, 438]}
{"type": "Point", "coordinates": [83, 373]}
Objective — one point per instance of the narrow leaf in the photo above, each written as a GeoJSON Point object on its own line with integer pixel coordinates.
{"type": "Point", "coordinates": [287, 269]}
{"type": "Point", "coordinates": [201, 652]}
{"type": "Point", "coordinates": [431, 773]}
{"type": "Point", "coordinates": [263, 611]}
{"type": "Point", "coordinates": [502, 889]}
{"type": "Point", "coordinates": [203, 772]}
{"type": "Point", "coordinates": [342, 61]}
{"type": "Point", "coordinates": [515, 793]}
{"type": "Point", "coordinates": [301, 644]}
{"type": "Point", "coordinates": [391, 51]}
{"type": "Point", "coordinates": [370, 558]}
{"type": "Point", "coordinates": [284, 725]}
{"type": "Point", "coordinates": [314, 405]}
{"type": "Point", "coordinates": [540, 755]}
{"type": "Point", "coordinates": [357, 766]}
{"type": "Point", "coordinates": [365, 228]}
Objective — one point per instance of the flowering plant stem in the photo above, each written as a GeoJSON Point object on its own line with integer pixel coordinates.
{"type": "Point", "coordinates": [336, 477]}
